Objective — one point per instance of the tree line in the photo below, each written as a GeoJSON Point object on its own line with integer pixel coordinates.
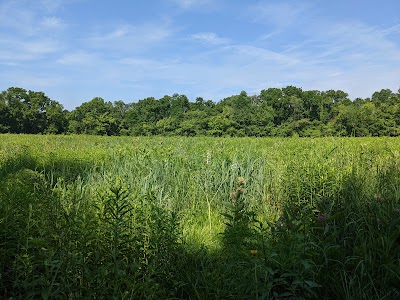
{"type": "Point", "coordinates": [283, 112]}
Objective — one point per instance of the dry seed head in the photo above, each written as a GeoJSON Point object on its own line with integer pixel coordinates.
{"type": "Point", "coordinates": [233, 195]}
{"type": "Point", "coordinates": [240, 190]}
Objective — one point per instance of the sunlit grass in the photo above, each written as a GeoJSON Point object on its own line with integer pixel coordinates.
{"type": "Point", "coordinates": [101, 217]}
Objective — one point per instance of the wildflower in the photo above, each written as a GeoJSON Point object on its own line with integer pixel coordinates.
{"type": "Point", "coordinates": [253, 252]}
{"type": "Point", "coordinates": [241, 180]}
{"type": "Point", "coordinates": [235, 167]}
{"type": "Point", "coordinates": [208, 158]}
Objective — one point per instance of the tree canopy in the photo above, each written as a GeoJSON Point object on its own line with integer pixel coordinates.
{"type": "Point", "coordinates": [284, 112]}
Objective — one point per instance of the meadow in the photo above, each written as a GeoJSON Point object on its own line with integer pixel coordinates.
{"type": "Point", "coordinates": [92, 217]}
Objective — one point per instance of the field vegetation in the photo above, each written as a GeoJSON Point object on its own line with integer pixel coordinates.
{"type": "Point", "coordinates": [92, 217]}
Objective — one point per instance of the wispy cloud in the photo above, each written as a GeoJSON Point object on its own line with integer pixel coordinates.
{"type": "Point", "coordinates": [80, 58]}
{"type": "Point", "coordinates": [30, 34]}
{"type": "Point", "coordinates": [30, 18]}
{"type": "Point", "coordinates": [280, 14]}
{"type": "Point", "coordinates": [125, 38]}
{"type": "Point", "coordinates": [52, 23]}
{"type": "Point", "coordinates": [51, 6]}
{"type": "Point", "coordinates": [210, 38]}
{"type": "Point", "coordinates": [346, 55]}
{"type": "Point", "coordinates": [348, 44]}
{"type": "Point", "coordinates": [30, 50]}
{"type": "Point", "coordinates": [202, 48]}
{"type": "Point", "coordinates": [392, 30]}
{"type": "Point", "coordinates": [261, 55]}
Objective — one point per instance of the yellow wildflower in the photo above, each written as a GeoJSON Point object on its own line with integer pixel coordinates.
{"type": "Point", "coordinates": [253, 252]}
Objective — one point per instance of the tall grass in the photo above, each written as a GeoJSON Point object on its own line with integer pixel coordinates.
{"type": "Point", "coordinates": [86, 217]}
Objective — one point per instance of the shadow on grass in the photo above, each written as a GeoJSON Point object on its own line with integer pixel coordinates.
{"type": "Point", "coordinates": [121, 245]}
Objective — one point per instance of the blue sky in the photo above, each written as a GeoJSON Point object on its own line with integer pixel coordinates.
{"type": "Point", "coordinates": [75, 50]}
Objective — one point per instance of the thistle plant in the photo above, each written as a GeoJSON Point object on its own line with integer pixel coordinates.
{"type": "Point", "coordinates": [238, 220]}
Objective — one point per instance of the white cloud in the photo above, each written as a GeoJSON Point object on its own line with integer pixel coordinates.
{"type": "Point", "coordinates": [351, 56]}
{"type": "Point", "coordinates": [239, 67]}
{"type": "Point", "coordinates": [28, 35]}
{"type": "Point", "coordinates": [125, 38]}
{"type": "Point", "coordinates": [327, 60]}
{"type": "Point", "coordinates": [41, 47]}
{"type": "Point", "coordinates": [392, 30]}
{"type": "Point", "coordinates": [23, 16]}
{"type": "Point", "coordinates": [351, 45]}
{"type": "Point", "coordinates": [52, 23]}
{"type": "Point", "coordinates": [30, 50]}
{"type": "Point", "coordinates": [210, 38]}
{"type": "Point", "coordinates": [261, 55]}
{"type": "Point", "coordinates": [77, 59]}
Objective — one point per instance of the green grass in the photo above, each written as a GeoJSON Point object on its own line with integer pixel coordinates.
{"type": "Point", "coordinates": [88, 217]}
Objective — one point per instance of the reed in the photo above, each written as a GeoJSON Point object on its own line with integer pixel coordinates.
{"type": "Point", "coordinates": [199, 218]}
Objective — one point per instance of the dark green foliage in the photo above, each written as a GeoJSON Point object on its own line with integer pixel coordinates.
{"type": "Point", "coordinates": [30, 112]}
{"type": "Point", "coordinates": [56, 242]}
{"type": "Point", "coordinates": [350, 234]}
{"type": "Point", "coordinates": [95, 117]}
{"type": "Point", "coordinates": [28, 215]}
{"type": "Point", "coordinates": [284, 112]}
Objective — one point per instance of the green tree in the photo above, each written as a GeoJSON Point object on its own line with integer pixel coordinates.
{"type": "Point", "coordinates": [295, 108]}
{"type": "Point", "coordinates": [4, 115]}
{"type": "Point", "coordinates": [384, 96]}
{"type": "Point", "coordinates": [167, 126]}
{"type": "Point", "coordinates": [15, 99]}
{"type": "Point", "coordinates": [34, 114]}
{"type": "Point", "coordinates": [313, 105]}
{"type": "Point", "coordinates": [336, 96]}
{"type": "Point", "coordinates": [30, 112]}
{"type": "Point", "coordinates": [56, 119]}
{"type": "Point", "coordinates": [119, 113]}
{"type": "Point", "coordinates": [220, 124]}
{"type": "Point", "coordinates": [195, 122]}
{"type": "Point", "coordinates": [94, 117]}
{"type": "Point", "coordinates": [179, 105]}
{"type": "Point", "coordinates": [147, 111]}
